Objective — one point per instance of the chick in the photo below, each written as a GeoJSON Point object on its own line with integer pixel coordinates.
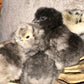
{"type": "Point", "coordinates": [38, 68]}
{"type": "Point", "coordinates": [12, 57]}
{"type": "Point", "coordinates": [30, 36]}
{"type": "Point", "coordinates": [73, 19]}
{"type": "Point", "coordinates": [64, 47]}
{"type": "Point", "coordinates": [71, 16]}
{"type": "Point", "coordinates": [48, 18]}
{"type": "Point", "coordinates": [13, 52]}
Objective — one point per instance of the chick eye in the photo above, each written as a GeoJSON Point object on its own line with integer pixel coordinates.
{"type": "Point", "coordinates": [70, 12]}
{"type": "Point", "coordinates": [21, 29]}
{"type": "Point", "coordinates": [43, 18]}
{"type": "Point", "coordinates": [27, 37]}
{"type": "Point", "coordinates": [77, 13]}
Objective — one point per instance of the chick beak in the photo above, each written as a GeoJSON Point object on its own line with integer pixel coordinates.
{"type": "Point", "coordinates": [35, 21]}
{"type": "Point", "coordinates": [18, 39]}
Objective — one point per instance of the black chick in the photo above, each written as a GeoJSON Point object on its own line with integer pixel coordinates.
{"type": "Point", "coordinates": [63, 46]}
{"type": "Point", "coordinates": [48, 18]}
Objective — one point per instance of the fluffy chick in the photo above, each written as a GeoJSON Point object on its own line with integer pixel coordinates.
{"type": "Point", "coordinates": [12, 57]}
{"type": "Point", "coordinates": [48, 18]}
{"type": "Point", "coordinates": [72, 16]}
{"type": "Point", "coordinates": [30, 36]}
{"type": "Point", "coordinates": [38, 68]}
{"type": "Point", "coordinates": [73, 19]}
{"type": "Point", "coordinates": [13, 53]}
{"type": "Point", "coordinates": [64, 47]}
